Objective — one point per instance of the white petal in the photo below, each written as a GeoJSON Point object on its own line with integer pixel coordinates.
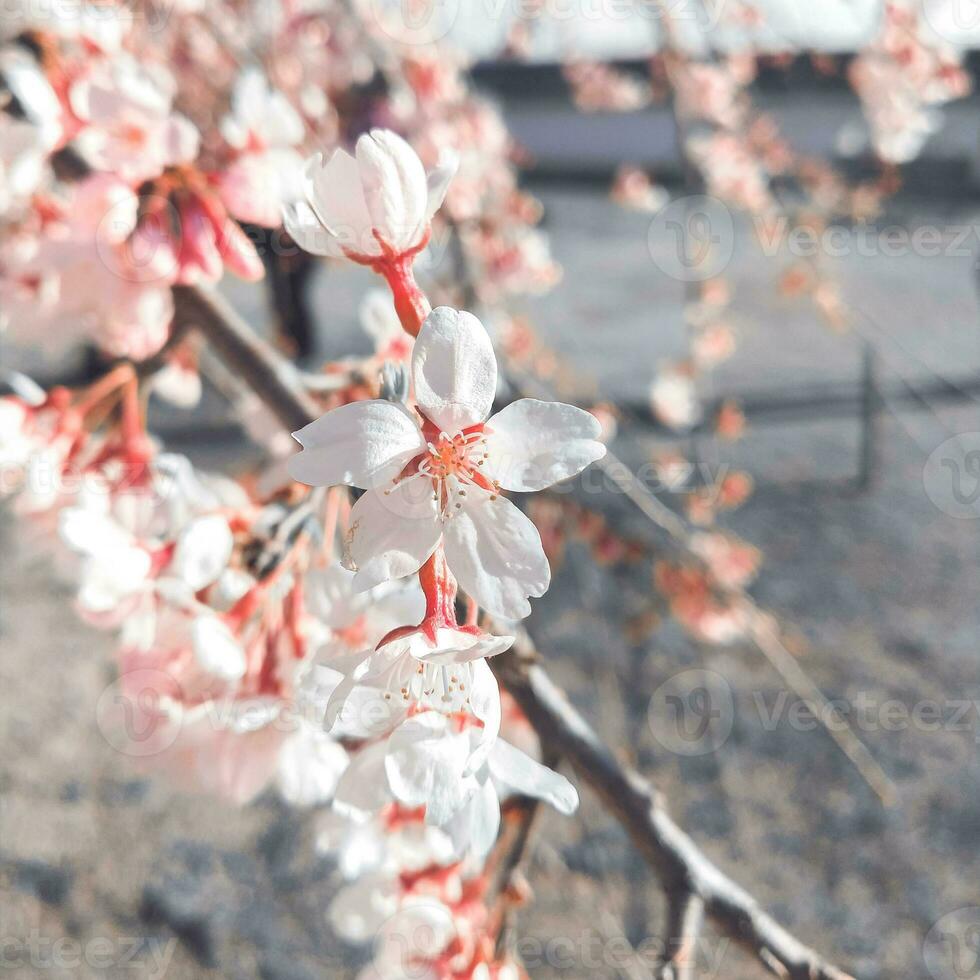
{"type": "Point", "coordinates": [335, 194]}
{"type": "Point", "coordinates": [237, 766]}
{"type": "Point", "coordinates": [394, 185]}
{"type": "Point", "coordinates": [392, 534]}
{"type": "Point", "coordinates": [202, 551]}
{"type": "Point", "coordinates": [439, 180]}
{"type": "Point", "coordinates": [474, 827]}
{"type": "Point", "coordinates": [450, 791]}
{"type": "Point", "coordinates": [521, 774]}
{"type": "Point", "coordinates": [108, 579]}
{"type": "Point", "coordinates": [330, 596]}
{"type": "Point", "coordinates": [305, 229]}
{"type": "Point", "coordinates": [425, 763]}
{"type": "Point", "coordinates": [496, 555]}
{"type": "Point", "coordinates": [363, 444]}
{"type": "Point", "coordinates": [408, 943]}
{"type": "Point", "coordinates": [532, 444]}
{"type": "Point", "coordinates": [459, 647]}
{"type": "Point", "coordinates": [363, 784]}
{"type": "Point", "coordinates": [357, 710]}
{"type": "Point", "coordinates": [454, 369]}
{"type": "Point", "coordinates": [91, 533]}
{"type": "Point", "coordinates": [310, 765]}
{"type": "Point", "coordinates": [216, 650]}
{"type": "Point", "coordinates": [485, 700]}
{"type": "Point", "coordinates": [360, 909]}
{"type": "Point", "coordinates": [485, 705]}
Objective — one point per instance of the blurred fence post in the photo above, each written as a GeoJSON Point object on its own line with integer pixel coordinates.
{"type": "Point", "coordinates": [870, 407]}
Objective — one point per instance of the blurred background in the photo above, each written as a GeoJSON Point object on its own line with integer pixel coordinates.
{"type": "Point", "coordinates": [863, 443]}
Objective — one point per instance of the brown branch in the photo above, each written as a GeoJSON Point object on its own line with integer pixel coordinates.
{"type": "Point", "coordinates": [685, 916]}
{"type": "Point", "coordinates": [682, 868]}
{"type": "Point", "coordinates": [507, 864]}
{"type": "Point", "coordinates": [267, 373]}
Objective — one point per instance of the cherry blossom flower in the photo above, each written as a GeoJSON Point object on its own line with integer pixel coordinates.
{"type": "Point", "coordinates": [391, 841]}
{"type": "Point", "coordinates": [632, 188]}
{"type": "Point", "coordinates": [77, 279]}
{"type": "Point", "coordinates": [263, 130]}
{"type": "Point", "coordinates": [455, 771]}
{"type": "Point", "coordinates": [437, 476]}
{"type": "Point", "coordinates": [131, 129]}
{"type": "Point", "coordinates": [445, 673]}
{"type": "Point", "coordinates": [600, 88]}
{"type": "Point", "coordinates": [732, 563]}
{"type": "Point", "coordinates": [372, 206]}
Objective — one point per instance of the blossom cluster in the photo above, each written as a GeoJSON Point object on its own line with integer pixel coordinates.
{"type": "Point", "coordinates": [902, 79]}
{"type": "Point", "coordinates": [254, 657]}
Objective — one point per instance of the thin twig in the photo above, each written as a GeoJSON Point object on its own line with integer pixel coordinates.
{"type": "Point", "coordinates": [685, 916]}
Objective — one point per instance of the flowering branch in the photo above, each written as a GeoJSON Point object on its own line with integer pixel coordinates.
{"type": "Point", "coordinates": [681, 866]}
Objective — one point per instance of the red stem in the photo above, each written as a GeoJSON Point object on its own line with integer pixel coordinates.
{"type": "Point", "coordinates": [411, 303]}
{"type": "Point", "coordinates": [439, 586]}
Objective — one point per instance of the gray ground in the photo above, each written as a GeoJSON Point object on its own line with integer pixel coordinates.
{"type": "Point", "coordinates": [134, 878]}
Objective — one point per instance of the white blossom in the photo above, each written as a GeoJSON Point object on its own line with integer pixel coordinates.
{"type": "Point", "coordinates": [436, 475]}
{"type": "Point", "coordinates": [378, 202]}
